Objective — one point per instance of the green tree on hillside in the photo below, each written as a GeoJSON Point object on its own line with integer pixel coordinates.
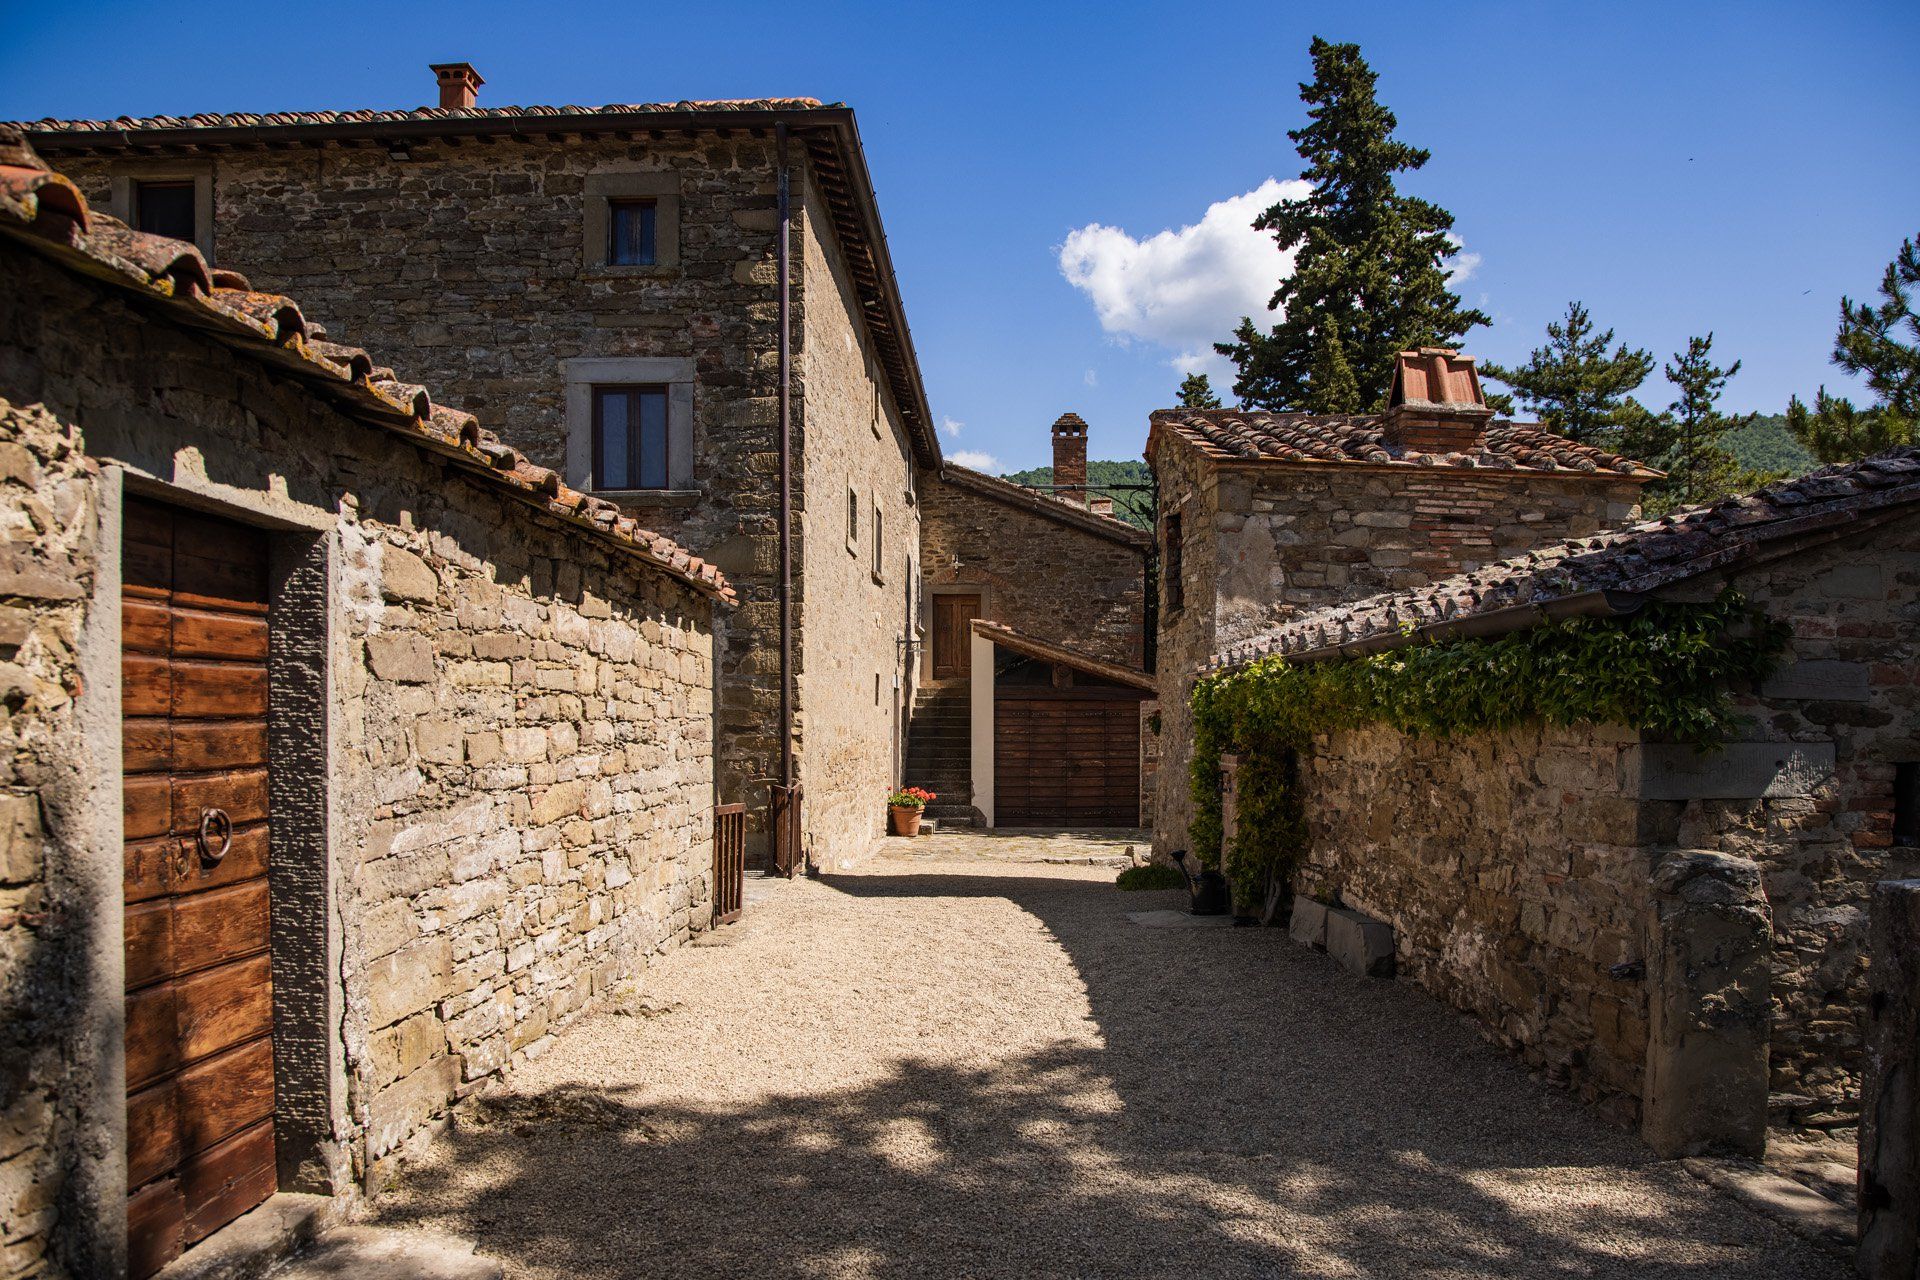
{"type": "Point", "coordinates": [1196, 392]}
{"type": "Point", "coordinates": [1690, 440]}
{"type": "Point", "coordinates": [1576, 387]}
{"type": "Point", "coordinates": [1369, 277]}
{"type": "Point", "coordinates": [1881, 344]}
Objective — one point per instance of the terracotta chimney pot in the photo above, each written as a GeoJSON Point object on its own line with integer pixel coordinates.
{"type": "Point", "coordinates": [459, 83]}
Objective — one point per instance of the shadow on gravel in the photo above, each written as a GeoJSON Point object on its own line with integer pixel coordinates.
{"type": "Point", "coordinates": [1274, 1118]}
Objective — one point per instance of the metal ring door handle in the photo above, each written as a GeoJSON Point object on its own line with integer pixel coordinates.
{"type": "Point", "coordinates": [216, 835]}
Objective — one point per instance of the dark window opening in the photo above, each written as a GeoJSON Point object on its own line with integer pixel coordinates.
{"type": "Point", "coordinates": [630, 438]}
{"type": "Point", "coordinates": [630, 225]}
{"type": "Point", "coordinates": [164, 209]}
{"type": "Point", "coordinates": [1172, 583]}
{"type": "Point", "coordinates": [1906, 804]}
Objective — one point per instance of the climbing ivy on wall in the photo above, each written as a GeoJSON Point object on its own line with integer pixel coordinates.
{"type": "Point", "coordinates": [1667, 669]}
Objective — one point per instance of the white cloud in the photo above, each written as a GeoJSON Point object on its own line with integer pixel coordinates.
{"type": "Point", "coordinates": [1092, 379]}
{"type": "Point", "coordinates": [952, 428]}
{"type": "Point", "coordinates": [1461, 265]}
{"type": "Point", "coordinates": [977, 459]}
{"type": "Point", "coordinates": [1184, 289]}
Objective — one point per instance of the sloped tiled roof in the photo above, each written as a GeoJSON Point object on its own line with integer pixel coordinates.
{"type": "Point", "coordinates": [1624, 564]}
{"type": "Point", "coordinates": [274, 119]}
{"type": "Point", "coordinates": [826, 131]}
{"type": "Point", "coordinates": [1362, 439]}
{"type": "Point", "coordinates": [1045, 505]}
{"type": "Point", "coordinates": [1048, 651]}
{"type": "Point", "coordinates": [46, 213]}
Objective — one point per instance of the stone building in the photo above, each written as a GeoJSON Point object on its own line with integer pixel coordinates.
{"type": "Point", "coordinates": [637, 297]}
{"type": "Point", "coordinates": [349, 751]}
{"type": "Point", "coordinates": [1047, 566]}
{"type": "Point", "coordinates": [1528, 875]}
{"type": "Point", "coordinates": [1264, 516]}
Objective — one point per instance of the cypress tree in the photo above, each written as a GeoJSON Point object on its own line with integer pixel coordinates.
{"type": "Point", "coordinates": [1870, 345]}
{"type": "Point", "coordinates": [1331, 387]}
{"type": "Point", "coordinates": [1367, 259]}
{"type": "Point", "coordinates": [1576, 387]}
{"type": "Point", "coordinates": [1196, 392]}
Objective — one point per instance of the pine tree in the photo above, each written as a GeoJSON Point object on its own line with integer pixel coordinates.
{"type": "Point", "coordinates": [1870, 344]}
{"type": "Point", "coordinates": [1576, 387]}
{"type": "Point", "coordinates": [1331, 387]}
{"type": "Point", "coordinates": [1689, 440]}
{"type": "Point", "coordinates": [1367, 259]}
{"type": "Point", "coordinates": [1196, 392]}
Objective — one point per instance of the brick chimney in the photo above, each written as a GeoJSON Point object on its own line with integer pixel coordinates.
{"type": "Point", "coordinates": [459, 83]}
{"type": "Point", "coordinates": [1070, 456]}
{"type": "Point", "coordinates": [1436, 405]}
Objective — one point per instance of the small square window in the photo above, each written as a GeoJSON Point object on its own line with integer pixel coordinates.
{"type": "Point", "coordinates": [879, 542]}
{"type": "Point", "coordinates": [630, 438]}
{"type": "Point", "coordinates": [853, 520]}
{"type": "Point", "coordinates": [632, 226]}
{"type": "Point", "coordinates": [164, 209]}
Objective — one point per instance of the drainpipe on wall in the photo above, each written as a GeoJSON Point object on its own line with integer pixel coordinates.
{"type": "Point", "coordinates": [786, 459]}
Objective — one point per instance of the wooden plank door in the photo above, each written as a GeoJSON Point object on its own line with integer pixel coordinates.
{"type": "Point", "coordinates": [199, 1046]}
{"type": "Point", "coordinates": [952, 636]}
{"type": "Point", "coordinates": [1069, 762]}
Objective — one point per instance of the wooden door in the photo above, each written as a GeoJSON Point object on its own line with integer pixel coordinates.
{"type": "Point", "coordinates": [1066, 761]}
{"type": "Point", "coordinates": [952, 636]}
{"type": "Point", "coordinates": [199, 1039]}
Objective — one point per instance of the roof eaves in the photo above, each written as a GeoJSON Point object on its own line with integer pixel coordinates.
{"type": "Point", "coordinates": [1018, 496]}
{"type": "Point", "coordinates": [1046, 650]}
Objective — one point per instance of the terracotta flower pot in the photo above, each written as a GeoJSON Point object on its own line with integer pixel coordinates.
{"type": "Point", "coordinates": [906, 819]}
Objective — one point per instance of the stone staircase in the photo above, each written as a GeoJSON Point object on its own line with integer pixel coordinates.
{"type": "Point", "coordinates": [940, 751]}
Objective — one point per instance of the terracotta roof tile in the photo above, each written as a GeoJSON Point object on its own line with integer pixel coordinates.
{"type": "Point", "coordinates": [1630, 561]}
{"type": "Point", "coordinates": [46, 213]}
{"type": "Point", "coordinates": [291, 119]}
{"type": "Point", "coordinates": [1247, 435]}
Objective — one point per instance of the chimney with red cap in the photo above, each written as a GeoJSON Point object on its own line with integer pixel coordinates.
{"type": "Point", "coordinates": [459, 83]}
{"type": "Point", "coordinates": [1436, 405]}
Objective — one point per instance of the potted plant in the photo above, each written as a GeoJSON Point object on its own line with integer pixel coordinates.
{"type": "Point", "coordinates": [903, 809]}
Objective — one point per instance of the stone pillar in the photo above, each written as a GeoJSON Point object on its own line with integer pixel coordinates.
{"type": "Point", "coordinates": [1890, 1101]}
{"type": "Point", "coordinates": [1710, 950]}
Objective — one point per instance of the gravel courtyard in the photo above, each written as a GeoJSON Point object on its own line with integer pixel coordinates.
{"type": "Point", "coordinates": [959, 1065]}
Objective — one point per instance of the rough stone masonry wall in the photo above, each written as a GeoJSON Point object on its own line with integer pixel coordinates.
{"type": "Point", "coordinates": [1294, 539]}
{"type": "Point", "coordinates": [1186, 641]}
{"type": "Point", "coordinates": [47, 561]}
{"type": "Point", "coordinates": [1044, 577]}
{"type": "Point", "coordinates": [464, 268]}
{"type": "Point", "coordinates": [856, 599]}
{"type": "Point", "coordinates": [1510, 866]}
{"type": "Point", "coordinates": [1851, 678]}
{"type": "Point", "coordinates": [518, 732]}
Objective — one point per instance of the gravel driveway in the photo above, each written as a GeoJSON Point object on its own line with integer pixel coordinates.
{"type": "Point", "coordinates": [976, 1067]}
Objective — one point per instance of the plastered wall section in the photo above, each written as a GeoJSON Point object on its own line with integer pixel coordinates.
{"type": "Point", "coordinates": [859, 581]}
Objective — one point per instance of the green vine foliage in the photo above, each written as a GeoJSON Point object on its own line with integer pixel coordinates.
{"type": "Point", "coordinates": [1668, 670]}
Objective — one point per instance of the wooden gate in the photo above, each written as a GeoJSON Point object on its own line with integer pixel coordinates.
{"type": "Point", "coordinates": [1066, 758]}
{"type": "Point", "coordinates": [783, 814]}
{"type": "Point", "coordinates": [729, 862]}
{"type": "Point", "coordinates": [199, 1012]}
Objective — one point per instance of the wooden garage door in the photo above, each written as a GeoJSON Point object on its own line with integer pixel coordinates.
{"type": "Point", "coordinates": [200, 1148]}
{"type": "Point", "coordinates": [1066, 761]}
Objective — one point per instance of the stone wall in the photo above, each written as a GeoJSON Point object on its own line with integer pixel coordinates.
{"type": "Point", "coordinates": [1266, 543]}
{"type": "Point", "coordinates": [1046, 577]}
{"type": "Point", "coordinates": [1510, 866]}
{"type": "Point", "coordinates": [856, 594]}
{"type": "Point", "coordinates": [465, 268]}
{"type": "Point", "coordinates": [1848, 693]}
{"type": "Point", "coordinates": [512, 813]}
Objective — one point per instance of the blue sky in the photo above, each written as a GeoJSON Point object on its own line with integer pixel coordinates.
{"type": "Point", "coordinates": [1678, 167]}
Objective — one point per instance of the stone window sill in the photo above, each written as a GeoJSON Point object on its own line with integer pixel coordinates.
{"type": "Point", "coordinates": [651, 497]}
{"type": "Point", "coordinates": [617, 269]}
{"type": "Point", "coordinates": [879, 579]}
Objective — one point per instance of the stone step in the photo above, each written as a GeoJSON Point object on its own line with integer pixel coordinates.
{"type": "Point", "coordinates": [375, 1253]}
